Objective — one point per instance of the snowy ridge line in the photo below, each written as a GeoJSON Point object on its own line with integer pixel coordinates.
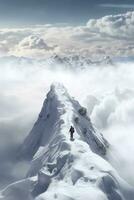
{"type": "Point", "coordinates": [62, 169]}
{"type": "Point", "coordinates": [69, 62]}
{"type": "Point", "coordinates": [66, 112]}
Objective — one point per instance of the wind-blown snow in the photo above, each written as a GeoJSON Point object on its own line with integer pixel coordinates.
{"type": "Point", "coordinates": [63, 169]}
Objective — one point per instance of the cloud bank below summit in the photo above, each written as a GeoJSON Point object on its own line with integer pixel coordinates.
{"type": "Point", "coordinates": [110, 35]}
{"type": "Point", "coordinates": [107, 92]}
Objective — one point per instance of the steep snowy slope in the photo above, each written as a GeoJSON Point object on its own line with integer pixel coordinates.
{"type": "Point", "coordinates": [63, 169]}
{"type": "Point", "coordinates": [59, 112]}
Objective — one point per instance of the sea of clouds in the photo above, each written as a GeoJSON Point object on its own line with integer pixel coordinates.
{"type": "Point", "coordinates": [106, 91]}
{"type": "Point", "coordinates": [109, 35]}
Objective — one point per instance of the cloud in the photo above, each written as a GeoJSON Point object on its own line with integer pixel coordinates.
{"type": "Point", "coordinates": [33, 45]}
{"type": "Point", "coordinates": [114, 26]}
{"type": "Point", "coordinates": [23, 86]}
{"type": "Point", "coordinates": [90, 102]}
{"type": "Point", "coordinates": [12, 104]}
{"type": "Point", "coordinates": [23, 90]}
{"type": "Point", "coordinates": [125, 6]}
{"type": "Point", "coordinates": [12, 133]}
{"type": "Point", "coordinates": [34, 42]}
{"type": "Point", "coordinates": [114, 115]}
{"type": "Point", "coordinates": [102, 112]}
{"type": "Point", "coordinates": [110, 35]}
{"type": "Point", "coordinates": [114, 109]}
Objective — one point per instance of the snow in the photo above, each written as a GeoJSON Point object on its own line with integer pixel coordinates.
{"type": "Point", "coordinates": [63, 169]}
{"type": "Point", "coordinates": [69, 62]}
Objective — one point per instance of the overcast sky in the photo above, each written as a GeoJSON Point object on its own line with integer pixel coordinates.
{"type": "Point", "coordinates": [18, 12]}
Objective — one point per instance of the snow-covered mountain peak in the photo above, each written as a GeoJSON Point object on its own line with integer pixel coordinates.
{"type": "Point", "coordinates": [58, 114]}
{"type": "Point", "coordinates": [57, 89]}
{"type": "Point", "coordinates": [64, 168]}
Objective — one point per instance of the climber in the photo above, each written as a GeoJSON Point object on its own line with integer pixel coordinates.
{"type": "Point", "coordinates": [71, 132]}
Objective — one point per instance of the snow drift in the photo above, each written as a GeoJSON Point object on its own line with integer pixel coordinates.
{"type": "Point", "coordinates": [63, 169]}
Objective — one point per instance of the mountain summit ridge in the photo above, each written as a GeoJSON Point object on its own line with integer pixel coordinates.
{"type": "Point", "coordinates": [60, 111]}
{"type": "Point", "coordinates": [63, 169]}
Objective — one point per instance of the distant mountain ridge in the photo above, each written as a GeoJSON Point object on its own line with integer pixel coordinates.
{"type": "Point", "coordinates": [72, 62]}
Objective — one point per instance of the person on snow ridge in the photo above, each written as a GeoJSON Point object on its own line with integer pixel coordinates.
{"type": "Point", "coordinates": [71, 130]}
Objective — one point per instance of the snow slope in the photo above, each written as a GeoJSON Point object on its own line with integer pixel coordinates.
{"type": "Point", "coordinates": [63, 169]}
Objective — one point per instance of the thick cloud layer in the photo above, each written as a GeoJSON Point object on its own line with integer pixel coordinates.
{"type": "Point", "coordinates": [114, 26]}
{"type": "Point", "coordinates": [34, 42]}
{"type": "Point", "coordinates": [110, 35]}
{"type": "Point", "coordinates": [106, 91]}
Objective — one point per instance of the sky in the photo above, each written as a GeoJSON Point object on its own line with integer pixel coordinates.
{"type": "Point", "coordinates": [27, 12]}
{"type": "Point", "coordinates": [109, 35]}
{"type": "Point", "coordinates": [42, 28]}
{"type": "Point", "coordinates": [37, 29]}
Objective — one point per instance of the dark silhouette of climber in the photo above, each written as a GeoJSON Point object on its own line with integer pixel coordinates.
{"type": "Point", "coordinates": [71, 133]}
